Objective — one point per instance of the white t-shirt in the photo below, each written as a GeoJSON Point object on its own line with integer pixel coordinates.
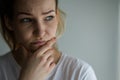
{"type": "Point", "coordinates": [68, 68]}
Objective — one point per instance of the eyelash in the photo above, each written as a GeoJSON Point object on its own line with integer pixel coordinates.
{"type": "Point", "coordinates": [27, 20]}
{"type": "Point", "coordinates": [49, 18]}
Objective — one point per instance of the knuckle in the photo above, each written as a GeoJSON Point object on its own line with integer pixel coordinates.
{"type": "Point", "coordinates": [51, 50]}
{"type": "Point", "coordinates": [43, 57]}
{"type": "Point", "coordinates": [51, 59]}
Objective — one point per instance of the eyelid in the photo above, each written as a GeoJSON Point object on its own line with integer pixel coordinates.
{"type": "Point", "coordinates": [27, 20]}
{"type": "Point", "coordinates": [48, 18]}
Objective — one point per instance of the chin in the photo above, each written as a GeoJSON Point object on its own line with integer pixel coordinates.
{"type": "Point", "coordinates": [34, 49]}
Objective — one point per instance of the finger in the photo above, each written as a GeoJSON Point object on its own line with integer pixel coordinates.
{"type": "Point", "coordinates": [46, 47]}
{"type": "Point", "coordinates": [49, 61]}
{"type": "Point", "coordinates": [46, 56]}
{"type": "Point", "coordinates": [51, 67]}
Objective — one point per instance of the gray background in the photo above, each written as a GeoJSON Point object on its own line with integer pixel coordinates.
{"type": "Point", "coordinates": [92, 30]}
{"type": "Point", "coordinates": [119, 44]}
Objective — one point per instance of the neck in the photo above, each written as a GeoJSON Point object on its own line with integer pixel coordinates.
{"type": "Point", "coordinates": [20, 56]}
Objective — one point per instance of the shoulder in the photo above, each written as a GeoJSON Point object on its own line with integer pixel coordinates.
{"type": "Point", "coordinates": [78, 68]}
{"type": "Point", "coordinates": [8, 68]}
{"type": "Point", "coordinates": [5, 56]}
{"type": "Point", "coordinates": [4, 62]}
{"type": "Point", "coordinates": [74, 62]}
{"type": "Point", "coordinates": [4, 59]}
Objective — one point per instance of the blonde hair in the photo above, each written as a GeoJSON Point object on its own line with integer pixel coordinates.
{"type": "Point", "coordinates": [61, 23]}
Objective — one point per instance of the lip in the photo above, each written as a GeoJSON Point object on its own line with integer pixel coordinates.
{"type": "Point", "coordinates": [38, 43]}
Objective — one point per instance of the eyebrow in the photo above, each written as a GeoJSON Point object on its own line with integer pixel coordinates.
{"type": "Point", "coordinates": [48, 12]}
{"type": "Point", "coordinates": [25, 13]}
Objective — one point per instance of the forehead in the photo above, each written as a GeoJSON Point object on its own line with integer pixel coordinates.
{"type": "Point", "coordinates": [34, 5]}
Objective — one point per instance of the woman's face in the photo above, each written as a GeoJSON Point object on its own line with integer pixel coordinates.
{"type": "Point", "coordinates": [34, 23]}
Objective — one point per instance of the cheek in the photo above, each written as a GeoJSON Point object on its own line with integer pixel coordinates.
{"type": "Point", "coordinates": [53, 27]}
{"type": "Point", "coordinates": [22, 36]}
{"type": "Point", "coordinates": [52, 30]}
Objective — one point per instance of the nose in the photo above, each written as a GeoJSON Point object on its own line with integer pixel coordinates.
{"type": "Point", "coordinates": [39, 29]}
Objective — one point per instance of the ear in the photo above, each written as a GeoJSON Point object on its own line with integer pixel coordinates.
{"type": "Point", "coordinates": [8, 23]}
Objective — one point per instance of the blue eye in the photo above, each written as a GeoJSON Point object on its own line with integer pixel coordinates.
{"type": "Point", "coordinates": [26, 20]}
{"type": "Point", "coordinates": [48, 18]}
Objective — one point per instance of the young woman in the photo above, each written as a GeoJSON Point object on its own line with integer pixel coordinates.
{"type": "Point", "coordinates": [31, 27]}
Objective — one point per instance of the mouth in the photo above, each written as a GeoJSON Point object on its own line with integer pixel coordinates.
{"type": "Point", "coordinates": [38, 43]}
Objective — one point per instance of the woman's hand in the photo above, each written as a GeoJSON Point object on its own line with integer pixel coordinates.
{"type": "Point", "coordinates": [40, 64]}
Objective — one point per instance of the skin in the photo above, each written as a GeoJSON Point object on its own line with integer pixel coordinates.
{"type": "Point", "coordinates": [34, 26]}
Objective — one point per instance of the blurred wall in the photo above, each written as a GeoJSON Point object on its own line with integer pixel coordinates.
{"type": "Point", "coordinates": [92, 34]}
{"type": "Point", "coordinates": [119, 44]}
{"type": "Point", "coordinates": [3, 46]}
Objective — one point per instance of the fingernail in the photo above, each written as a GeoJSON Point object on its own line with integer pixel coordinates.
{"type": "Point", "coordinates": [52, 40]}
